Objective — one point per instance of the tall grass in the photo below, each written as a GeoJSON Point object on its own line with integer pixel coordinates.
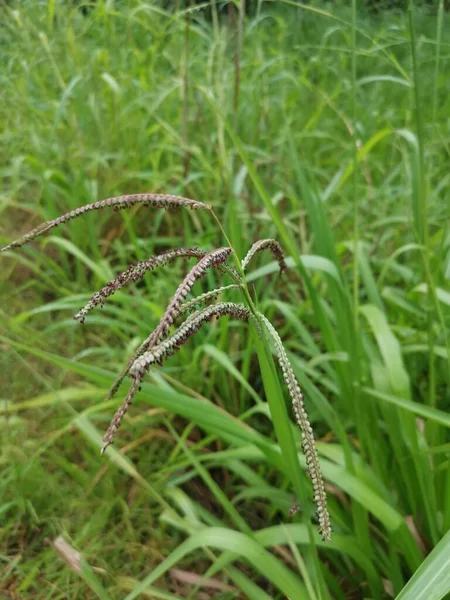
{"type": "Point", "coordinates": [336, 145]}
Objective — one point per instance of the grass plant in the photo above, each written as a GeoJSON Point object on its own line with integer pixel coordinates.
{"type": "Point", "coordinates": [324, 128]}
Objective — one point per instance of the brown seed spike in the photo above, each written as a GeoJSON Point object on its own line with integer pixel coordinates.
{"type": "Point", "coordinates": [133, 274]}
{"type": "Point", "coordinates": [121, 412]}
{"type": "Point", "coordinates": [271, 245]}
{"type": "Point", "coordinates": [165, 201]}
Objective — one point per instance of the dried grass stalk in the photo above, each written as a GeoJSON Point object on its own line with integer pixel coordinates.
{"type": "Point", "coordinates": [212, 259]}
{"type": "Point", "coordinates": [68, 554]}
{"type": "Point", "coordinates": [308, 444]}
{"type": "Point", "coordinates": [165, 201]}
{"type": "Point", "coordinates": [134, 273]}
{"type": "Point", "coordinates": [271, 245]}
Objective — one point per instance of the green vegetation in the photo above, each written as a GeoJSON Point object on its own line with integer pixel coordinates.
{"type": "Point", "coordinates": [331, 136]}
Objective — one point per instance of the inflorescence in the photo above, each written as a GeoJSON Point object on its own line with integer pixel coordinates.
{"type": "Point", "coordinates": [161, 344]}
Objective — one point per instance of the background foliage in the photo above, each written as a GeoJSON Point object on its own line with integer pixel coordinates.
{"type": "Point", "coordinates": [323, 126]}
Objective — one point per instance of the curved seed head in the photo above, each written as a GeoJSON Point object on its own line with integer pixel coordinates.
{"type": "Point", "coordinates": [268, 244]}
{"type": "Point", "coordinates": [165, 201]}
{"type": "Point", "coordinates": [134, 273]}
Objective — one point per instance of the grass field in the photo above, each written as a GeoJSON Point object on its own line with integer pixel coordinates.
{"type": "Point", "coordinates": [324, 127]}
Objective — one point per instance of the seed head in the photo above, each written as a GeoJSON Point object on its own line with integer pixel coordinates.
{"type": "Point", "coordinates": [165, 201]}
{"type": "Point", "coordinates": [271, 245]}
{"type": "Point", "coordinates": [134, 273]}
{"type": "Point", "coordinates": [308, 444]}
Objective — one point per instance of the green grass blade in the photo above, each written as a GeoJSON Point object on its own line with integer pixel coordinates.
{"type": "Point", "coordinates": [431, 581]}
{"type": "Point", "coordinates": [240, 544]}
{"type": "Point", "coordinates": [421, 410]}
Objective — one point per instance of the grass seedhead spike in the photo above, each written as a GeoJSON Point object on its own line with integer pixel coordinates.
{"type": "Point", "coordinates": [273, 246]}
{"type": "Point", "coordinates": [134, 273]}
{"type": "Point", "coordinates": [301, 418]}
{"type": "Point", "coordinates": [165, 201]}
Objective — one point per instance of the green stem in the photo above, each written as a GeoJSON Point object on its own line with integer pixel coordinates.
{"type": "Point", "coordinates": [438, 55]}
{"type": "Point", "coordinates": [239, 268]}
{"type": "Point", "coordinates": [354, 193]}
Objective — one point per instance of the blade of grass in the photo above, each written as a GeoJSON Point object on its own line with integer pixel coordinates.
{"type": "Point", "coordinates": [431, 581]}
{"type": "Point", "coordinates": [224, 539]}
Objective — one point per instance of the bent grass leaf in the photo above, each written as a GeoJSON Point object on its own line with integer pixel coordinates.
{"type": "Point", "coordinates": [421, 410]}
{"type": "Point", "coordinates": [309, 261]}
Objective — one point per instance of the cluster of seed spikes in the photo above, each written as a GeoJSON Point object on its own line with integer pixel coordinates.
{"type": "Point", "coordinates": [212, 259]}
{"type": "Point", "coordinates": [161, 344]}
